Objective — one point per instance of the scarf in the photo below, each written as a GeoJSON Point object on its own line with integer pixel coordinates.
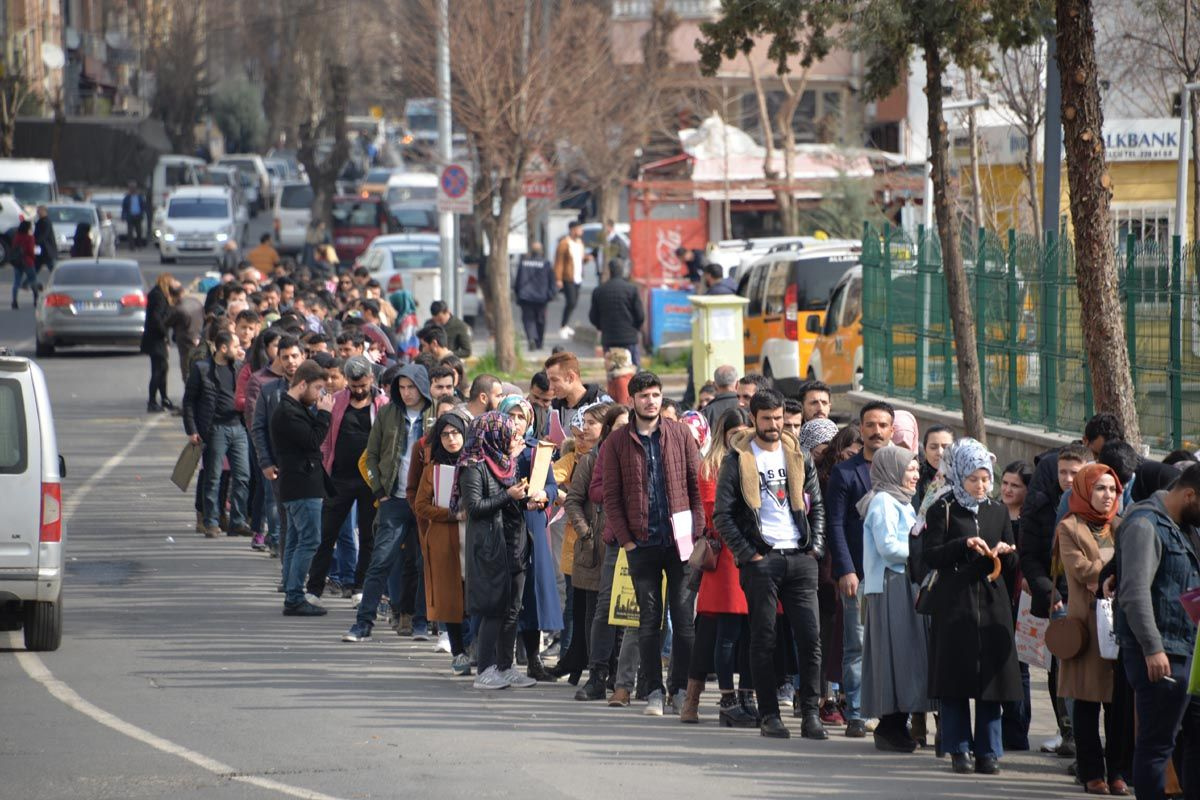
{"type": "Point", "coordinates": [960, 460]}
{"type": "Point", "coordinates": [489, 441]}
{"type": "Point", "coordinates": [887, 477]}
{"type": "Point", "coordinates": [438, 454]}
{"type": "Point", "coordinates": [817, 432]}
{"type": "Point", "coordinates": [508, 403]}
{"type": "Point", "coordinates": [905, 432]}
{"type": "Point", "coordinates": [1080, 501]}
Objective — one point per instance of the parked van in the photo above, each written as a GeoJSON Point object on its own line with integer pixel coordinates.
{"type": "Point", "coordinates": [293, 212]}
{"type": "Point", "coordinates": [837, 357]}
{"type": "Point", "coordinates": [412, 187]}
{"type": "Point", "coordinates": [170, 172]}
{"type": "Point", "coordinates": [253, 165]}
{"type": "Point", "coordinates": [30, 180]}
{"type": "Point", "coordinates": [788, 290]}
{"type": "Point", "coordinates": [31, 473]}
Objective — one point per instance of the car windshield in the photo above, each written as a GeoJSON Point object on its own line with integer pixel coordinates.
{"type": "Point", "coordinates": [70, 215]}
{"type": "Point", "coordinates": [27, 193]}
{"type": "Point", "coordinates": [404, 194]}
{"type": "Point", "coordinates": [816, 277]}
{"type": "Point", "coordinates": [414, 219]}
{"type": "Point", "coordinates": [198, 208]}
{"type": "Point", "coordinates": [12, 428]}
{"type": "Point", "coordinates": [353, 214]}
{"type": "Point", "coordinates": [414, 257]}
{"type": "Point", "coordinates": [93, 274]}
{"type": "Point", "coordinates": [296, 197]}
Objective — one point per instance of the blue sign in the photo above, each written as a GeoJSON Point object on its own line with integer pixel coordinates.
{"type": "Point", "coordinates": [670, 316]}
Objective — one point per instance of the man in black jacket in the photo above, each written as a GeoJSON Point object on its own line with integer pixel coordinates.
{"type": "Point", "coordinates": [534, 288]}
{"type": "Point", "coordinates": [211, 418]}
{"type": "Point", "coordinates": [617, 312]}
{"type": "Point", "coordinates": [43, 236]}
{"type": "Point", "coordinates": [770, 515]}
{"type": "Point", "coordinates": [297, 432]}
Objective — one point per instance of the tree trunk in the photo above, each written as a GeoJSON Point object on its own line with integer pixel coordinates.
{"type": "Point", "coordinates": [962, 316]}
{"type": "Point", "coordinates": [323, 173]}
{"type": "Point", "coordinates": [499, 298]}
{"type": "Point", "coordinates": [1102, 319]}
{"type": "Point", "coordinates": [973, 135]}
{"type": "Point", "coordinates": [8, 128]}
{"type": "Point", "coordinates": [608, 202]}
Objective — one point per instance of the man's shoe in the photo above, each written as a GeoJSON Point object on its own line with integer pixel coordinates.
{"type": "Point", "coordinates": [856, 729]}
{"type": "Point", "coordinates": [356, 600]}
{"type": "Point", "coordinates": [211, 531]}
{"type": "Point", "coordinates": [785, 695]}
{"type": "Point", "coordinates": [359, 632]}
{"type": "Point", "coordinates": [303, 610]}
{"type": "Point", "coordinates": [1051, 745]}
{"type": "Point", "coordinates": [420, 633]}
{"type": "Point", "coordinates": [490, 678]}
{"type": "Point", "coordinates": [313, 599]}
{"type": "Point", "coordinates": [675, 703]}
{"type": "Point", "coordinates": [773, 728]}
{"type": "Point", "coordinates": [443, 643]}
{"type": "Point", "coordinates": [889, 743]}
{"type": "Point", "coordinates": [811, 728]}
{"type": "Point", "coordinates": [404, 625]}
{"type": "Point", "coordinates": [153, 407]}
{"type": "Point", "coordinates": [747, 700]}
{"type": "Point", "coordinates": [517, 680]}
{"type": "Point", "coordinates": [830, 715]}
{"type": "Point", "coordinates": [241, 529]}
{"type": "Point", "coordinates": [594, 689]}
{"type": "Point", "coordinates": [619, 698]}
{"type": "Point", "coordinates": [961, 763]}
{"type": "Point", "coordinates": [538, 672]}
{"type": "Point", "coordinates": [347, 592]}
{"type": "Point", "coordinates": [654, 704]}
{"type": "Point", "coordinates": [200, 526]}
{"type": "Point", "coordinates": [1066, 749]}
{"type": "Point", "coordinates": [988, 765]}
{"type": "Point", "coordinates": [461, 665]}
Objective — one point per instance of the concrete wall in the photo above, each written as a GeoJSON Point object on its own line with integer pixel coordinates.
{"type": "Point", "coordinates": [1009, 442]}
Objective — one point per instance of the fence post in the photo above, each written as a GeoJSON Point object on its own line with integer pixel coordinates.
{"type": "Point", "coordinates": [1049, 326]}
{"type": "Point", "coordinates": [1175, 358]}
{"type": "Point", "coordinates": [888, 337]}
{"type": "Point", "coordinates": [980, 269]}
{"type": "Point", "coordinates": [870, 377]}
{"type": "Point", "coordinates": [1014, 322]}
{"type": "Point", "coordinates": [1131, 298]}
{"type": "Point", "coordinates": [949, 370]}
{"type": "Point", "coordinates": [922, 318]}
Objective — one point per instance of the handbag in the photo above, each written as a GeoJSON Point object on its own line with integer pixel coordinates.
{"type": "Point", "coordinates": [927, 593]}
{"type": "Point", "coordinates": [1067, 637]}
{"type": "Point", "coordinates": [185, 465]}
{"type": "Point", "coordinates": [1106, 634]}
{"type": "Point", "coordinates": [705, 553]}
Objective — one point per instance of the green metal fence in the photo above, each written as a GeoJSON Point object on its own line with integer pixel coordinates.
{"type": "Point", "coordinates": [1032, 362]}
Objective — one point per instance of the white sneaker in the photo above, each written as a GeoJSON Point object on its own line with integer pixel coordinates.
{"type": "Point", "coordinates": [312, 598]}
{"type": "Point", "coordinates": [356, 599]}
{"type": "Point", "coordinates": [443, 643]}
{"type": "Point", "coordinates": [1050, 745]}
{"type": "Point", "coordinates": [490, 678]}
{"type": "Point", "coordinates": [654, 704]}
{"type": "Point", "coordinates": [517, 679]}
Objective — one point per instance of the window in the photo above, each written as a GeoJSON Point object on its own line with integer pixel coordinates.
{"type": "Point", "coordinates": [816, 277]}
{"type": "Point", "coordinates": [296, 196]}
{"type": "Point", "coordinates": [853, 306]}
{"type": "Point", "coordinates": [776, 286]}
{"type": "Point", "coordinates": [70, 215]}
{"type": "Point", "coordinates": [1147, 223]}
{"type": "Point", "coordinates": [404, 194]}
{"type": "Point", "coordinates": [13, 445]}
{"type": "Point", "coordinates": [198, 208]}
{"type": "Point", "coordinates": [415, 257]}
{"type": "Point", "coordinates": [833, 317]}
{"type": "Point", "coordinates": [96, 274]}
{"type": "Point", "coordinates": [754, 307]}
{"type": "Point", "coordinates": [355, 215]}
{"type": "Point", "coordinates": [27, 193]}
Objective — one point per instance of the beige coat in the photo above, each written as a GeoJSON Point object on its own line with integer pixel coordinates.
{"type": "Point", "coordinates": [1088, 676]}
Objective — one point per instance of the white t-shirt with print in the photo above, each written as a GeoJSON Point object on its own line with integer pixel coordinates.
{"type": "Point", "coordinates": [775, 516]}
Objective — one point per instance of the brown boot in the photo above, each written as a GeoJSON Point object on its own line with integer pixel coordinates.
{"type": "Point", "coordinates": [200, 526]}
{"type": "Point", "coordinates": [690, 713]}
{"type": "Point", "coordinates": [619, 697]}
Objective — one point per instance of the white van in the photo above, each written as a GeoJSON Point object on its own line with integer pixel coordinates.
{"type": "Point", "coordinates": [30, 180]}
{"type": "Point", "coordinates": [172, 171]}
{"type": "Point", "coordinates": [293, 212]}
{"type": "Point", "coordinates": [198, 222]}
{"type": "Point", "coordinates": [412, 187]}
{"type": "Point", "coordinates": [31, 473]}
{"type": "Point", "coordinates": [253, 165]}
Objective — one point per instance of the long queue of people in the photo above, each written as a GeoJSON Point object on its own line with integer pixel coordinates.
{"type": "Point", "coordinates": [863, 577]}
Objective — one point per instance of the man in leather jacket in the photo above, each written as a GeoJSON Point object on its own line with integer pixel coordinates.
{"type": "Point", "coordinates": [770, 515]}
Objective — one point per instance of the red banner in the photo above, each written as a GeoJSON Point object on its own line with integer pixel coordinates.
{"type": "Point", "coordinates": [652, 245]}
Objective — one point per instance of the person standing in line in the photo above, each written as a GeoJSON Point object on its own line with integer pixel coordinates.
{"type": "Point", "coordinates": [47, 242]}
{"type": "Point", "coordinates": [770, 512]}
{"type": "Point", "coordinates": [972, 652]}
{"type": "Point", "coordinates": [1157, 561]}
{"type": "Point", "coordinates": [159, 303]}
{"type": "Point", "coordinates": [186, 322]}
{"type": "Point", "coordinates": [725, 382]}
{"type": "Point", "coordinates": [133, 213]}
{"type": "Point", "coordinates": [895, 643]}
{"type": "Point", "coordinates": [815, 397]}
{"type": "Point", "coordinates": [1015, 718]}
{"type": "Point", "coordinates": [651, 472]}
{"type": "Point", "coordinates": [937, 438]}
{"type": "Point", "coordinates": [569, 259]}
{"type": "Point", "coordinates": [534, 287]}
{"type": "Point", "coordinates": [297, 432]}
{"type": "Point", "coordinates": [848, 483]}
{"type": "Point", "coordinates": [458, 333]}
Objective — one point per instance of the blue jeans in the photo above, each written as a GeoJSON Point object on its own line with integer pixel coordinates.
{"type": "Point", "coordinates": [24, 276]}
{"type": "Point", "coordinates": [345, 554]}
{"type": "Point", "coordinates": [852, 655]}
{"type": "Point", "coordinates": [1162, 708]}
{"type": "Point", "coordinates": [270, 509]}
{"type": "Point", "coordinates": [391, 520]}
{"type": "Point", "coordinates": [304, 534]}
{"type": "Point", "coordinates": [407, 576]}
{"type": "Point", "coordinates": [226, 441]}
{"type": "Point", "coordinates": [956, 727]}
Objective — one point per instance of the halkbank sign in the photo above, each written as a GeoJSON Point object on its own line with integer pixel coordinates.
{"type": "Point", "coordinates": [1124, 140]}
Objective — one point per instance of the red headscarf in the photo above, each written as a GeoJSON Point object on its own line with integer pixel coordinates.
{"type": "Point", "coordinates": [1080, 502]}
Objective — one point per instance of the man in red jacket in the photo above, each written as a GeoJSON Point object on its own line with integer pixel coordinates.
{"type": "Point", "coordinates": [651, 499]}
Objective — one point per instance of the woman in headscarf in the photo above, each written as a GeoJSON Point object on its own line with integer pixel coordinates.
{"type": "Point", "coordinates": [969, 542]}
{"type": "Point", "coordinates": [542, 607]}
{"type": "Point", "coordinates": [440, 544]}
{"type": "Point", "coordinates": [497, 545]}
{"type": "Point", "coordinates": [1083, 543]}
{"type": "Point", "coordinates": [154, 340]}
{"type": "Point", "coordinates": [937, 438]}
{"type": "Point", "coordinates": [816, 435]}
{"type": "Point", "coordinates": [905, 432]}
{"type": "Point", "coordinates": [407, 324]}
{"type": "Point", "coordinates": [81, 243]}
{"type": "Point", "coordinates": [895, 665]}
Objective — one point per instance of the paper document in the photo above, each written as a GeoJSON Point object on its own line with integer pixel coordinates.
{"type": "Point", "coordinates": [681, 524]}
{"type": "Point", "coordinates": [443, 485]}
{"type": "Point", "coordinates": [539, 469]}
{"type": "Point", "coordinates": [557, 434]}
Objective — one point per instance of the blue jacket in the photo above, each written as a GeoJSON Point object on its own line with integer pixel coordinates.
{"type": "Point", "coordinates": [541, 609]}
{"type": "Point", "coordinates": [534, 282]}
{"type": "Point", "coordinates": [848, 482]}
{"type": "Point", "coordinates": [885, 540]}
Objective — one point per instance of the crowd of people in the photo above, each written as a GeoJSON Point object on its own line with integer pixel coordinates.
{"type": "Point", "coordinates": [864, 577]}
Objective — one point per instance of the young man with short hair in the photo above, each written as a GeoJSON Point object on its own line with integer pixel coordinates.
{"type": "Point", "coordinates": [458, 334]}
{"type": "Point", "coordinates": [570, 392]}
{"type": "Point", "coordinates": [433, 340]}
{"type": "Point", "coordinates": [793, 417]}
{"type": "Point", "coordinates": [770, 514]}
{"type": "Point", "coordinates": [652, 495]}
{"type": "Point", "coordinates": [569, 259]}
{"type": "Point", "coordinates": [297, 432]}
{"type": "Point", "coordinates": [268, 385]}
{"type": "Point", "coordinates": [540, 397]}
{"type": "Point", "coordinates": [750, 383]}
{"type": "Point", "coordinates": [485, 395]}
{"type": "Point", "coordinates": [816, 398]}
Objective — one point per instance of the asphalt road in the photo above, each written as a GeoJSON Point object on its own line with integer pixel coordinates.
{"type": "Point", "coordinates": [178, 677]}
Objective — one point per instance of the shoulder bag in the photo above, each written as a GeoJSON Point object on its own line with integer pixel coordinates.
{"type": "Point", "coordinates": [705, 553]}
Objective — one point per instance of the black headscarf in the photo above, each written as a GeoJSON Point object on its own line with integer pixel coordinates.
{"type": "Point", "coordinates": [438, 454]}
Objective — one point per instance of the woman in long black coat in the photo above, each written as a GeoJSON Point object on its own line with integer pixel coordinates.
{"type": "Point", "coordinates": [154, 341]}
{"type": "Point", "coordinates": [972, 652]}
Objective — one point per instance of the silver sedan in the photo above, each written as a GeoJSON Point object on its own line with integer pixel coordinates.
{"type": "Point", "coordinates": [91, 301]}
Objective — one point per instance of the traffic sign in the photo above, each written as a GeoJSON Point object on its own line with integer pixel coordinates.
{"type": "Point", "coordinates": [540, 185]}
{"type": "Point", "coordinates": [454, 192]}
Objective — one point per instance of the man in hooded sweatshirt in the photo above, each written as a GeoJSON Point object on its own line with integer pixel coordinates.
{"type": "Point", "coordinates": [398, 426]}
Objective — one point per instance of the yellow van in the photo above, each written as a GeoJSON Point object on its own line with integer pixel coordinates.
{"type": "Point", "coordinates": [837, 355]}
{"type": "Point", "coordinates": [788, 291]}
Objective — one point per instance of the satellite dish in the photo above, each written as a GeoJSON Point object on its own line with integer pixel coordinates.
{"type": "Point", "coordinates": [52, 56]}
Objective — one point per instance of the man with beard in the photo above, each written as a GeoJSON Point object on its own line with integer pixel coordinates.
{"type": "Point", "coordinates": [354, 410]}
{"type": "Point", "coordinates": [288, 357]}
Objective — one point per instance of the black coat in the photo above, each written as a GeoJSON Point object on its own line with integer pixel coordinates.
{"type": "Point", "coordinates": [971, 649]}
{"type": "Point", "coordinates": [200, 396]}
{"type": "Point", "coordinates": [495, 546]}
{"type": "Point", "coordinates": [43, 235]}
{"type": "Point", "coordinates": [158, 309]}
{"type": "Point", "coordinates": [1036, 540]}
{"type": "Point", "coordinates": [617, 312]}
{"type": "Point", "coordinates": [296, 436]}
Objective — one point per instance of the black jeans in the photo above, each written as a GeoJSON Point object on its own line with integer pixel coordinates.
{"type": "Point", "coordinates": [646, 567]}
{"type": "Point", "coordinates": [1164, 709]}
{"type": "Point", "coordinates": [788, 577]}
{"type": "Point", "coordinates": [498, 635]}
{"type": "Point", "coordinates": [570, 300]}
{"type": "Point", "coordinates": [533, 318]}
{"type": "Point", "coordinates": [333, 515]}
{"type": "Point", "coordinates": [583, 608]}
{"type": "Point", "coordinates": [159, 366]}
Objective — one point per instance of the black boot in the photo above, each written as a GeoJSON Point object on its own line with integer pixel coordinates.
{"type": "Point", "coordinates": [537, 670]}
{"type": "Point", "coordinates": [595, 688]}
{"type": "Point", "coordinates": [746, 700]}
{"type": "Point", "coordinates": [733, 715]}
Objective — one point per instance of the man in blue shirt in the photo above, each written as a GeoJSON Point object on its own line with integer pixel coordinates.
{"type": "Point", "coordinates": [134, 209]}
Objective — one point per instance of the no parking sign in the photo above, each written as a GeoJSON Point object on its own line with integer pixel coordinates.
{"type": "Point", "coordinates": [454, 192]}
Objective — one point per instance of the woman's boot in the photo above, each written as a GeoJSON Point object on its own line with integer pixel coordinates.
{"type": "Point", "coordinates": [733, 715]}
{"type": "Point", "coordinates": [596, 686]}
{"type": "Point", "coordinates": [690, 713]}
{"type": "Point", "coordinates": [746, 700]}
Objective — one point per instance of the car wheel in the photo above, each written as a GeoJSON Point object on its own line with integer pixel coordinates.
{"type": "Point", "coordinates": [43, 625]}
{"type": "Point", "coordinates": [165, 260]}
{"type": "Point", "coordinates": [44, 349]}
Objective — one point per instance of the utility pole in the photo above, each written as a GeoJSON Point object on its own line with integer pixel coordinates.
{"type": "Point", "coordinates": [445, 155]}
{"type": "Point", "coordinates": [1052, 141]}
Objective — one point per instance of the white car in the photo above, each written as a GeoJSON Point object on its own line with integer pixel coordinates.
{"type": "Point", "coordinates": [65, 217]}
{"type": "Point", "coordinates": [31, 473]}
{"type": "Point", "coordinates": [413, 261]}
{"type": "Point", "coordinates": [199, 221]}
{"type": "Point", "coordinates": [293, 212]}
{"type": "Point", "coordinates": [253, 165]}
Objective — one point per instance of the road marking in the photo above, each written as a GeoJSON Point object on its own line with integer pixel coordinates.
{"type": "Point", "coordinates": [36, 669]}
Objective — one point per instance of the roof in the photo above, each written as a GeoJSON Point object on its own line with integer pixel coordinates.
{"type": "Point", "coordinates": [406, 238]}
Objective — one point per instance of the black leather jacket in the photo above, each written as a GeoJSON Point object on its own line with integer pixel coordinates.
{"type": "Point", "coordinates": [496, 546]}
{"type": "Point", "coordinates": [738, 523]}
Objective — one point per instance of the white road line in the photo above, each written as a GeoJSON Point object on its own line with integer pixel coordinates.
{"type": "Point", "coordinates": [36, 669]}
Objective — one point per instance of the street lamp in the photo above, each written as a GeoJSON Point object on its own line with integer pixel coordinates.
{"type": "Point", "coordinates": [1181, 229]}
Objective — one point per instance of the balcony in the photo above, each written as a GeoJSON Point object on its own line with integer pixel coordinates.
{"type": "Point", "coordinates": [686, 9]}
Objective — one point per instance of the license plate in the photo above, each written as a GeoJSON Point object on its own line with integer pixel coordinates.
{"type": "Point", "coordinates": [195, 246]}
{"type": "Point", "coordinates": [98, 305]}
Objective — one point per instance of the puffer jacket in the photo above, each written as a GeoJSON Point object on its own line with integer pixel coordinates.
{"type": "Point", "coordinates": [739, 498]}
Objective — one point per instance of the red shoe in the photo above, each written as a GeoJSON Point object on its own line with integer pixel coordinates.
{"type": "Point", "coordinates": [830, 715]}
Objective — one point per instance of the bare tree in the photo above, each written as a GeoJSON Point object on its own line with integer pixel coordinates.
{"type": "Point", "coordinates": [783, 124]}
{"type": "Point", "coordinates": [177, 58]}
{"type": "Point", "coordinates": [17, 90]}
{"type": "Point", "coordinates": [1019, 79]}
